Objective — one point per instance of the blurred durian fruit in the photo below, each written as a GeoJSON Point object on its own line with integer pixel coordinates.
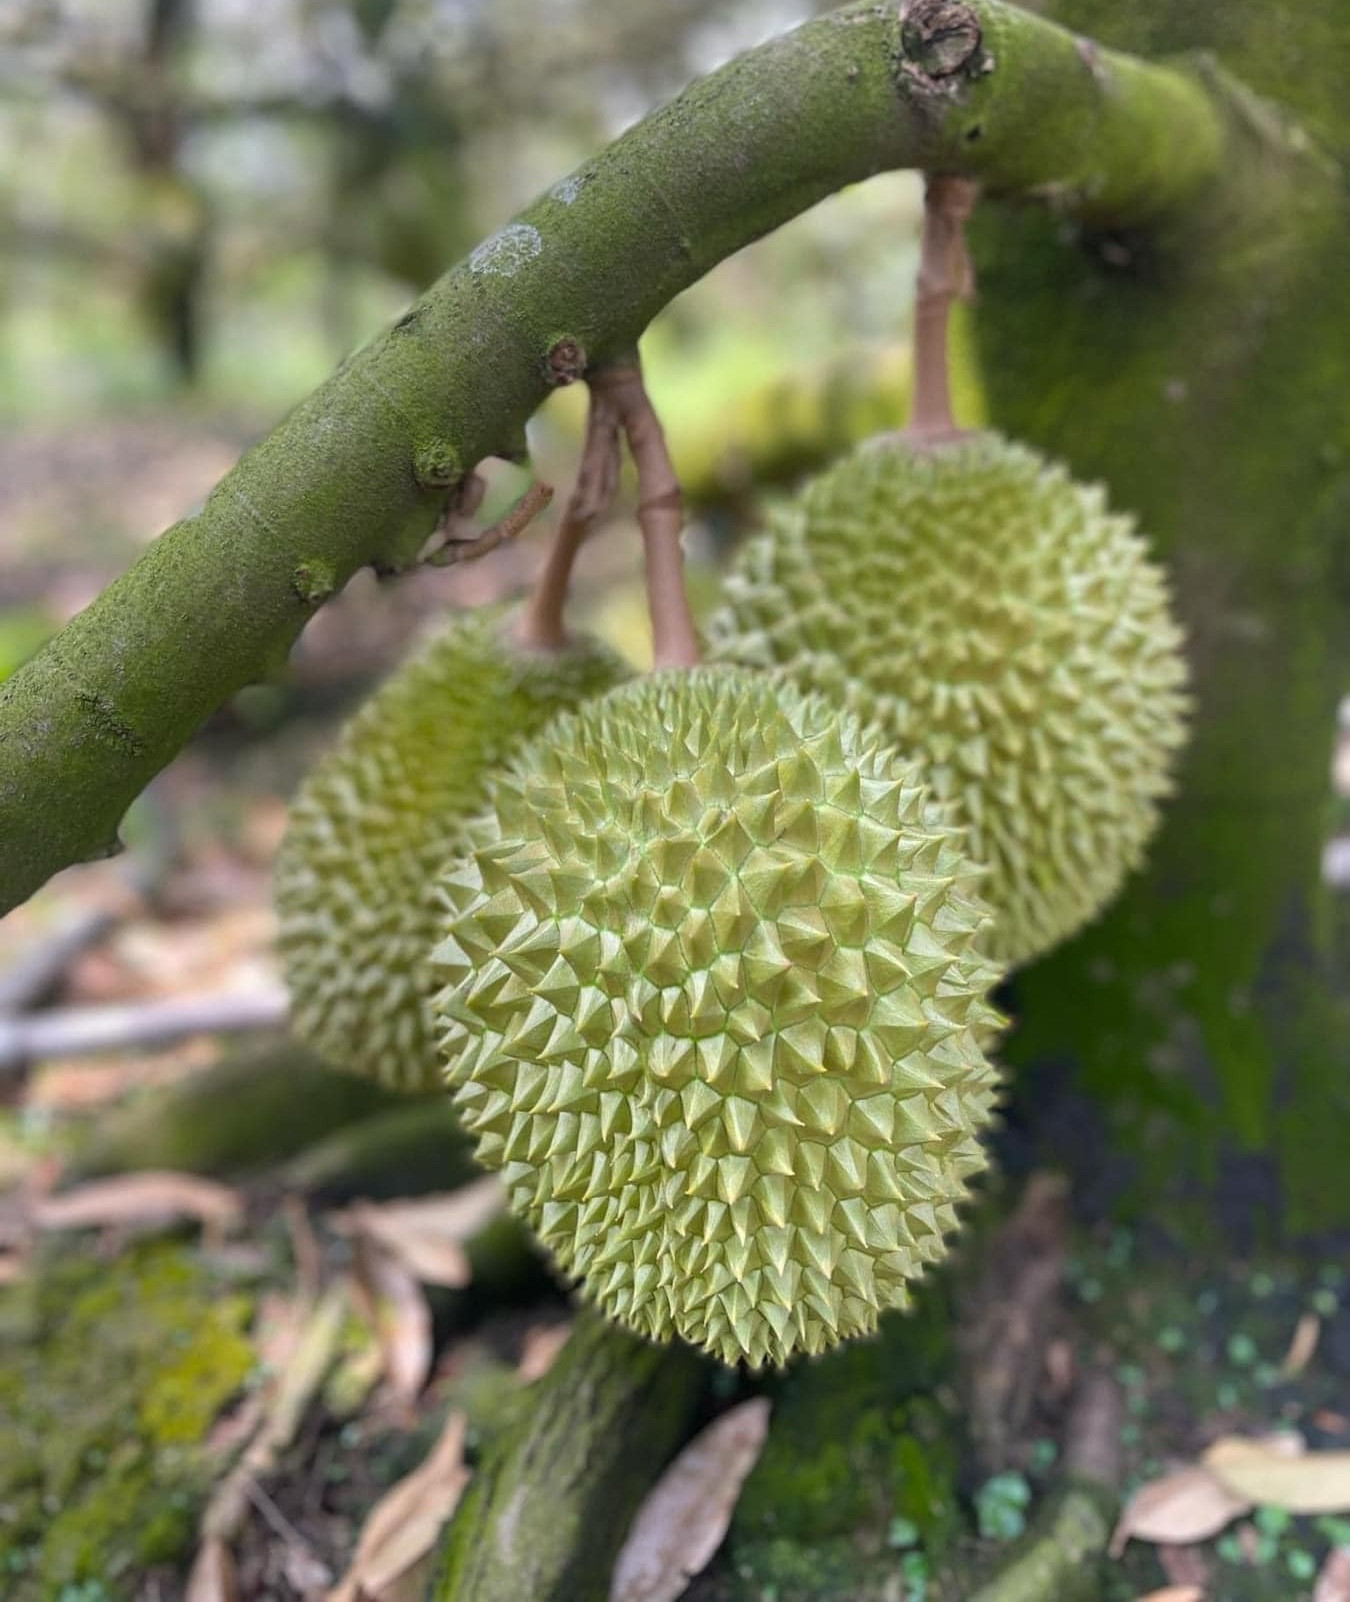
{"type": "Point", "coordinates": [1009, 633]}
{"type": "Point", "coordinates": [376, 820]}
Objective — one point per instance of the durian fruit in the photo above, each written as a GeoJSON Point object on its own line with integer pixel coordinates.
{"type": "Point", "coordinates": [1007, 631]}
{"type": "Point", "coordinates": [713, 1002]}
{"type": "Point", "coordinates": [379, 816]}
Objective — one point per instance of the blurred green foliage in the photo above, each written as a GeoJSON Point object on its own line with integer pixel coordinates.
{"type": "Point", "coordinates": [210, 195]}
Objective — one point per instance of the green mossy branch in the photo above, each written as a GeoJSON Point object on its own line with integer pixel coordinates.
{"type": "Point", "coordinates": [549, 1505]}
{"type": "Point", "coordinates": [359, 473]}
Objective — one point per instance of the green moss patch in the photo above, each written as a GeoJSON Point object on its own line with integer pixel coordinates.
{"type": "Point", "coordinates": [110, 1377]}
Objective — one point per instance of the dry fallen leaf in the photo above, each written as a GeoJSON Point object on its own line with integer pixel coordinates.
{"type": "Point", "coordinates": [1302, 1345]}
{"type": "Point", "coordinates": [538, 1350]}
{"type": "Point", "coordinates": [428, 1234]}
{"type": "Point", "coordinates": [73, 1085]}
{"type": "Point", "coordinates": [1175, 1593]}
{"type": "Point", "coordinates": [213, 1577]}
{"type": "Point", "coordinates": [151, 1197]}
{"type": "Point", "coordinates": [397, 1311]}
{"type": "Point", "coordinates": [404, 1524]}
{"type": "Point", "coordinates": [1333, 1583]}
{"type": "Point", "coordinates": [1259, 1471]}
{"type": "Point", "coordinates": [1184, 1506]}
{"type": "Point", "coordinates": [158, 957]}
{"type": "Point", "coordinates": [685, 1516]}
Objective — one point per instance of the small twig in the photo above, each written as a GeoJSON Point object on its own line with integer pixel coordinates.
{"type": "Point", "coordinates": [541, 623]}
{"type": "Point", "coordinates": [305, 1250]}
{"type": "Point", "coordinates": [945, 275]}
{"type": "Point", "coordinates": [273, 1515]}
{"type": "Point", "coordinates": [305, 1370]}
{"type": "Point", "coordinates": [84, 1031]}
{"type": "Point", "coordinates": [469, 547]}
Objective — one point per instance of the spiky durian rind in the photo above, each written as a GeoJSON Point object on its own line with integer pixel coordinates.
{"type": "Point", "coordinates": [379, 816]}
{"type": "Point", "coordinates": [1004, 628]}
{"type": "Point", "coordinates": [713, 1004]}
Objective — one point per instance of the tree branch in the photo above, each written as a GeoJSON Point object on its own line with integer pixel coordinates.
{"type": "Point", "coordinates": [358, 474]}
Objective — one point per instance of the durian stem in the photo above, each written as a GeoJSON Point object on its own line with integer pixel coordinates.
{"type": "Point", "coordinates": [660, 515]}
{"type": "Point", "coordinates": [945, 275]}
{"type": "Point", "coordinates": [619, 402]}
{"type": "Point", "coordinates": [541, 625]}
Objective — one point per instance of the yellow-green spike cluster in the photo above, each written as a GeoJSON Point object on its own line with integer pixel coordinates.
{"type": "Point", "coordinates": [1008, 632]}
{"type": "Point", "coordinates": [713, 1001]}
{"type": "Point", "coordinates": [376, 820]}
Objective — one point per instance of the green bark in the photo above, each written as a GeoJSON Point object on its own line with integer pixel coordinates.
{"type": "Point", "coordinates": [1204, 379]}
{"type": "Point", "coordinates": [360, 471]}
{"type": "Point", "coordinates": [548, 1508]}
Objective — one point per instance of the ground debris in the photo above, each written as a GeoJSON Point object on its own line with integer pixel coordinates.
{"type": "Point", "coordinates": [686, 1514]}
{"type": "Point", "coordinates": [405, 1523]}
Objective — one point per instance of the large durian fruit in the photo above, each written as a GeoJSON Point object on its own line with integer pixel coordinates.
{"type": "Point", "coordinates": [1007, 631]}
{"type": "Point", "coordinates": [714, 1002]}
{"type": "Point", "coordinates": [378, 817]}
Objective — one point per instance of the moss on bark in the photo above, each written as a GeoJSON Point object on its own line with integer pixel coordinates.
{"type": "Point", "coordinates": [1202, 375]}
{"type": "Point", "coordinates": [548, 1507]}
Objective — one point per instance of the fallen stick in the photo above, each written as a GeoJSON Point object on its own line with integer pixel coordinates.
{"type": "Point", "coordinates": [136, 1025]}
{"type": "Point", "coordinates": [32, 977]}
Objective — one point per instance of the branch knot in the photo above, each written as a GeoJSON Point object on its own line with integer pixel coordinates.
{"type": "Point", "coordinates": [940, 38]}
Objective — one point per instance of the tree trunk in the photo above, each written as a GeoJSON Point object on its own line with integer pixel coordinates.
{"type": "Point", "coordinates": [1203, 378]}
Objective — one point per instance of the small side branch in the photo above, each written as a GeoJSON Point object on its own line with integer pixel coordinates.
{"type": "Point", "coordinates": [1061, 1554]}
{"type": "Point", "coordinates": [542, 625]}
{"type": "Point", "coordinates": [467, 546]}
